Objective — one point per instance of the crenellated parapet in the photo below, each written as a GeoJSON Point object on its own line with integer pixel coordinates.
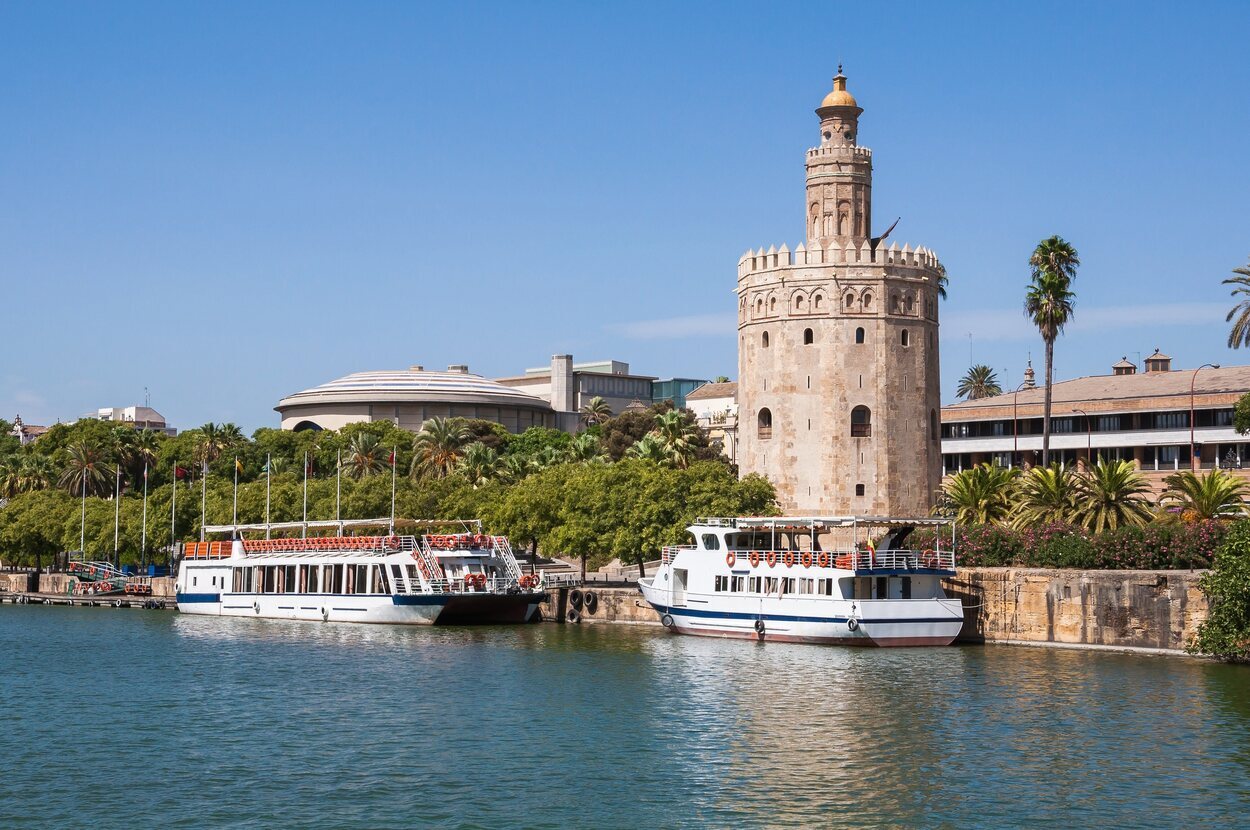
{"type": "Point", "coordinates": [754, 262]}
{"type": "Point", "coordinates": [839, 152]}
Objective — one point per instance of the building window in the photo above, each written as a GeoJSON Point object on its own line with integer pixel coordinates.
{"type": "Point", "coordinates": [859, 489]}
{"type": "Point", "coordinates": [772, 305]}
{"type": "Point", "coordinates": [867, 300]}
{"type": "Point", "coordinates": [808, 337]}
{"type": "Point", "coordinates": [905, 338]}
{"type": "Point", "coordinates": [816, 302]}
{"type": "Point", "coordinates": [859, 335]}
{"type": "Point", "coordinates": [765, 425]}
{"type": "Point", "coordinates": [764, 340]}
{"type": "Point", "coordinates": [861, 422]}
{"type": "Point", "coordinates": [850, 300]}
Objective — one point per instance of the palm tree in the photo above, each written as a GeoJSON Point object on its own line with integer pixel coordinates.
{"type": "Point", "coordinates": [980, 495]}
{"type": "Point", "coordinates": [1239, 335]}
{"type": "Point", "coordinates": [1044, 495]}
{"type": "Point", "coordinates": [479, 464]}
{"type": "Point", "coordinates": [146, 447]}
{"type": "Point", "coordinates": [10, 477]}
{"type": "Point", "coordinates": [86, 468]}
{"type": "Point", "coordinates": [980, 382]}
{"type": "Point", "coordinates": [585, 448]}
{"type": "Point", "coordinates": [1049, 304]}
{"type": "Point", "coordinates": [210, 444]}
{"type": "Point", "coordinates": [35, 472]}
{"type": "Point", "coordinates": [942, 281]}
{"type": "Point", "coordinates": [437, 447]}
{"type": "Point", "coordinates": [596, 411]}
{"type": "Point", "coordinates": [365, 456]}
{"type": "Point", "coordinates": [1110, 495]}
{"type": "Point", "coordinates": [676, 435]}
{"type": "Point", "coordinates": [279, 465]}
{"type": "Point", "coordinates": [548, 456]}
{"type": "Point", "coordinates": [649, 448]}
{"type": "Point", "coordinates": [1218, 493]}
{"type": "Point", "coordinates": [513, 468]}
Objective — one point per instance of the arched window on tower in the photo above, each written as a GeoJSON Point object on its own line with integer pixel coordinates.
{"type": "Point", "coordinates": [764, 428]}
{"type": "Point", "coordinates": [764, 340]}
{"type": "Point", "coordinates": [816, 301]}
{"type": "Point", "coordinates": [905, 337]}
{"type": "Point", "coordinates": [861, 422]}
{"type": "Point", "coordinates": [850, 301]}
{"type": "Point", "coordinates": [867, 300]}
{"type": "Point", "coordinates": [859, 489]}
{"type": "Point", "coordinates": [808, 337]}
{"type": "Point", "coordinates": [859, 335]}
{"type": "Point", "coordinates": [772, 305]}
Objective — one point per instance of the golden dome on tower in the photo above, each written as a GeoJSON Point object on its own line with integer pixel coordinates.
{"type": "Point", "coordinates": [839, 97]}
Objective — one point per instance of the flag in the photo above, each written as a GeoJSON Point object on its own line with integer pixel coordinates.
{"type": "Point", "coordinates": [180, 472]}
{"type": "Point", "coordinates": [872, 547]}
{"type": "Point", "coordinates": [391, 460]}
{"type": "Point", "coordinates": [238, 465]}
{"type": "Point", "coordinates": [265, 468]}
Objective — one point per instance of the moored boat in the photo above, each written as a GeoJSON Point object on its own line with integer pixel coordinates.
{"type": "Point", "coordinates": [850, 580]}
{"type": "Point", "coordinates": [452, 574]}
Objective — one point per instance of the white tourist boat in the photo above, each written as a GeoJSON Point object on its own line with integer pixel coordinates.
{"type": "Point", "coordinates": [453, 574]}
{"type": "Point", "coordinates": [849, 580]}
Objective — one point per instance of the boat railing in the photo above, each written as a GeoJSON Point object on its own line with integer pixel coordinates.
{"type": "Point", "coordinates": [669, 552]}
{"type": "Point", "coordinates": [899, 560]}
{"type": "Point", "coordinates": [559, 580]}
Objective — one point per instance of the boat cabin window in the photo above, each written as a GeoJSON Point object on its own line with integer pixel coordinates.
{"type": "Point", "coordinates": [787, 585]}
{"type": "Point", "coordinates": [739, 584]}
{"type": "Point", "coordinates": [883, 587]}
{"type": "Point", "coordinates": [905, 587]}
{"type": "Point", "coordinates": [711, 541]}
{"type": "Point", "coordinates": [770, 584]}
{"type": "Point", "coordinates": [757, 584]}
{"type": "Point", "coordinates": [722, 583]}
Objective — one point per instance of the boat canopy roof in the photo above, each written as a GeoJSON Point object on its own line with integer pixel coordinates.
{"type": "Point", "coordinates": [786, 523]}
{"type": "Point", "coordinates": [469, 525]}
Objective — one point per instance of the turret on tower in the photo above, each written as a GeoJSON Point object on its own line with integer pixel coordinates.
{"type": "Point", "coordinates": [839, 174]}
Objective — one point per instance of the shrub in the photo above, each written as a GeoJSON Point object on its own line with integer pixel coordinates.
{"type": "Point", "coordinates": [1226, 631]}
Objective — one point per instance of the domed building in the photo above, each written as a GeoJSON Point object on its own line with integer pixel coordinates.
{"type": "Point", "coordinates": [409, 398]}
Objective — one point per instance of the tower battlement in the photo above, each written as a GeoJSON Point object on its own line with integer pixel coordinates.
{"type": "Point", "coordinates": [849, 254]}
{"type": "Point", "coordinates": [840, 150]}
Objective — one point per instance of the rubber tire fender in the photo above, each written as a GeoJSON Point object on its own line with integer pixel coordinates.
{"type": "Point", "coordinates": [759, 627]}
{"type": "Point", "coordinates": [575, 598]}
{"type": "Point", "coordinates": [574, 616]}
{"type": "Point", "coordinates": [591, 601]}
{"type": "Point", "coordinates": [852, 624]}
{"type": "Point", "coordinates": [667, 620]}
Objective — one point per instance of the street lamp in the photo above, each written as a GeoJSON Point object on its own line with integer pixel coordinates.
{"type": "Point", "coordinates": [1192, 380]}
{"type": "Point", "coordinates": [1015, 438]}
{"type": "Point", "coordinates": [1089, 438]}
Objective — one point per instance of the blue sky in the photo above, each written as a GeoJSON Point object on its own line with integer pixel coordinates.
{"type": "Point", "coordinates": [229, 202]}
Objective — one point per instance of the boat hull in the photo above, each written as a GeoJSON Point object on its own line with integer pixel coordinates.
{"type": "Point", "coordinates": [384, 609]}
{"type": "Point", "coordinates": [888, 623]}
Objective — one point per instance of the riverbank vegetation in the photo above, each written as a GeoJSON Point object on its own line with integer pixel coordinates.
{"type": "Point", "coordinates": [623, 488]}
{"type": "Point", "coordinates": [1225, 633]}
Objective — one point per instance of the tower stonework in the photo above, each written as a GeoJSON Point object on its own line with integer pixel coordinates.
{"type": "Point", "coordinates": [838, 384]}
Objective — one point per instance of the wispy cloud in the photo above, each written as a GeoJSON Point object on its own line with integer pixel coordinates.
{"type": "Point", "coordinates": [679, 328]}
{"type": "Point", "coordinates": [1009, 323]}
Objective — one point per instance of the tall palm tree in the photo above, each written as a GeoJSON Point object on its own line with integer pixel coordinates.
{"type": "Point", "coordinates": [479, 464]}
{"type": "Point", "coordinates": [35, 472]}
{"type": "Point", "coordinates": [1217, 493]}
{"type": "Point", "coordinates": [649, 448]}
{"type": "Point", "coordinates": [595, 411]}
{"type": "Point", "coordinates": [365, 456]}
{"type": "Point", "coordinates": [676, 435]}
{"type": "Point", "coordinates": [10, 477]}
{"type": "Point", "coordinates": [1049, 304]}
{"type": "Point", "coordinates": [1110, 495]}
{"type": "Point", "coordinates": [437, 447]}
{"type": "Point", "coordinates": [1044, 495]}
{"type": "Point", "coordinates": [942, 281]}
{"type": "Point", "coordinates": [86, 467]}
{"type": "Point", "coordinates": [1239, 335]}
{"type": "Point", "coordinates": [980, 382]}
{"type": "Point", "coordinates": [585, 448]}
{"type": "Point", "coordinates": [209, 444]}
{"type": "Point", "coordinates": [146, 448]}
{"type": "Point", "coordinates": [980, 495]}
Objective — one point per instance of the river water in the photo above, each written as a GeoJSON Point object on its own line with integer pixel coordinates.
{"type": "Point", "coordinates": [151, 719]}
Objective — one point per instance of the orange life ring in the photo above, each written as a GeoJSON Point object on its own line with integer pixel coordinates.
{"type": "Point", "coordinates": [823, 559]}
{"type": "Point", "coordinates": [754, 558]}
{"type": "Point", "coordinates": [789, 559]}
{"type": "Point", "coordinates": [845, 561]}
{"type": "Point", "coordinates": [807, 559]}
{"type": "Point", "coordinates": [481, 580]}
{"type": "Point", "coordinates": [730, 558]}
{"type": "Point", "coordinates": [929, 559]}
{"type": "Point", "coordinates": [771, 558]}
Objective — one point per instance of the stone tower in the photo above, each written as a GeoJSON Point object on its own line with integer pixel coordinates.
{"type": "Point", "coordinates": [838, 384]}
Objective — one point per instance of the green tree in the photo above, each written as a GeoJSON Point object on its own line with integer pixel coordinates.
{"type": "Point", "coordinates": [595, 411]}
{"type": "Point", "coordinates": [1111, 494]}
{"type": "Point", "coordinates": [32, 526]}
{"type": "Point", "coordinates": [437, 447]}
{"type": "Point", "coordinates": [479, 464]}
{"type": "Point", "coordinates": [1239, 334]}
{"type": "Point", "coordinates": [1225, 633]}
{"type": "Point", "coordinates": [677, 436]}
{"type": "Point", "coordinates": [1213, 495]}
{"type": "Point", "coordinates": [1044, 495]}
{"type": "Point", "coordinates": [649, 448]}
{"type": "Point", "coordinates": [86, 467]}
{"type": "Point", "coordinates": [979, 382]}
{"type": "Point", "coordinates": [942, 281]}
{"type": "Point", "coordinates": [365, 456]}
{"type": "Point", "coordinates": [585, 448]}
{"type": "Point", "coordinates": [980, 495]}
{"type": "Point", "coordinates": [1049, 304]}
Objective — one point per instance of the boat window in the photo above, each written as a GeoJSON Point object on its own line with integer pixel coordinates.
{"type": "Point", "coordinates": [336, 580]}
{"type": "Point", "coordinates": [756, 584]}
{"type": "Point", "coordinates": [905, 587]}
{"type": "Point", "coordinates": [739, 584]}
{"type": "Point", "coordinates": [770, 584]}
{"type": "Point", "coordinates": [362, 579]}
{"type": "Point", "coordinates": [383, 585]}
{"type": "Point", "coordinates": [290, 586]}
{"type": "Point", "coordinates": [194, 580]}
{"type": "Point", "coordinates": [722, 583]}
{"type": "Point", "coordinates": [787, 585]}
{"type": "Point", "coordinates": [314, 579]}
{"type": "Point", "coordinates": [882, 587]}
{"type": "Point", "coordinates": [412, 575]}
{"type": "Point", "coordinates": [711, 541]}
{"type": "Point", "coordinates": [807, 586]}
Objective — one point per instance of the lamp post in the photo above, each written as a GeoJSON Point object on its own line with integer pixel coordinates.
{"type": "Point", "coordinates": [1192, 380]}
{"type": "Point", "coordinates": [1015, 438]}
{"type": "Point", "coordinates": [1089, 438]}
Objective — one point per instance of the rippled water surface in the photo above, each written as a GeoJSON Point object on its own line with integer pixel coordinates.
{"type": "Point", "coordinates": [128, 718]}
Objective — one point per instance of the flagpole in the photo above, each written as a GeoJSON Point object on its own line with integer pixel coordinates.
{"type": "Point", "coordinates": [338, 491]}
{"type": "Point", "coordinates": [234, 515]}
{"type": "Point", "coordinates": [268, 479]}
{"type": "Point", "coordinates": [82, 533]}
{"type": "Point", "coordinates": [304, 532]}
{"type": "Point", "coordinates": [143, 536]}
{"type": "Point", "coordinates": [117, 511]}
{"type": "Point", "coordinates": [173, 516]}
{"type": "Point", "coordinates": [203, 496]}
{"type": "Point", "coordinates": [392, 533]}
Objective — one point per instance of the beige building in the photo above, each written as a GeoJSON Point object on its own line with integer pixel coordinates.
{"type": "Point", "coordinates": [715, 408]}
{"type": "Point", "coordinates": [139, 417]}
{"type": "Point", "coordinates": [838, 387]}
{"type": "Point", "coordinates": [1126, 415]}
{"type": "Point", "coordinates": [409, 398]}
{"type": "Point", "coordinates": [569, 386]}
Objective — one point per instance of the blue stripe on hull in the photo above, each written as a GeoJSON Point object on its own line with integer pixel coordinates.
{"type": "Point", "coordinates": [192, 598]}
{"type": "Point", "coordinates": [737, 615]}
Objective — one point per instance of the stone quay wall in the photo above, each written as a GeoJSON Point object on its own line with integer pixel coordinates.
{"type": "Point", "coordinates": [1113, 609]}
{"type": "Point", "coordinates": [18, 583]}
